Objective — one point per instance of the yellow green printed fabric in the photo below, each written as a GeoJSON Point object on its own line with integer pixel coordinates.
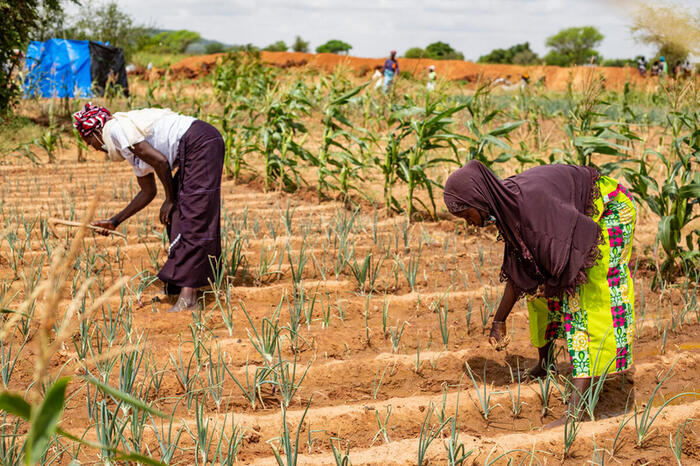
{"type": "Point", "coordinates": [597, 322]}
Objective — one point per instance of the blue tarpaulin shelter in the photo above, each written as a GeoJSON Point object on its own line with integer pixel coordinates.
{"type": "Point", "coordinates": [72, 68]}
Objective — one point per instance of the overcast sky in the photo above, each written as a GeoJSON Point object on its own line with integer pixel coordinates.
{"type": "Point", "coordinates": [373, 27]}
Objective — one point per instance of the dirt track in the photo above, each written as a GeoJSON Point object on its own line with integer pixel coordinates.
{"type": "Point", "coordinates": [555, 78]}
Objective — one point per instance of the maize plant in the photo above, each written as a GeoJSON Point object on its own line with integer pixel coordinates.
{"type": "Point", "coordinates": [430, 129]}
{"type": "Point", "coordinates": [280, 113]}
{"type": "Point", "coordinates": [236, 140]}
{"type": "Point", "coordinates": [674, 199]}
{"type": "Point", "coordinates": [335, 157]}
{"type": "Point", "coordinates": [242, 75]}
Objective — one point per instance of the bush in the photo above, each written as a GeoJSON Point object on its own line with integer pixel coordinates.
{"type": "Point", "coordinates": [442, 51]}
{"type": "Point", "coordinates": [334, 46]}
{"type": "Point", "coordinates": [171, 41]}
{"type": "Point", "coordinates": [215, 47]}
{"type": "Point", "coordinates": [279, 46]}
{"type": "Point", "coordinates": [519, 54]}
{"type": "Point", "coordinates": [300, 45]}
{"type": "Point", "coordinates": [415, 52]}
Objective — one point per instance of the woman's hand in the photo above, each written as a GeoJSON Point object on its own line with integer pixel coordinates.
{"type": "Point", "coordinates": [106, 226]}
{"type": "Point", "coordinates": [499, 337]}
{"type": "Point", "coordinates": [166, 211]}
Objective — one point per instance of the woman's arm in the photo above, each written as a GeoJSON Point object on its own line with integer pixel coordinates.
{"type": "Point", "coordinates": [499, 337]}
{"type": "Point", "coordinates": [507, 302]}
{"type": "Point", "coordinates": [160, 164]}
{"type": "Point", "coordinates": [142, 199]}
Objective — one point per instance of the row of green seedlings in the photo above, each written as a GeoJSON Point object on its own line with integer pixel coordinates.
{"type": "Point", "coordinates": [668, 320]}
{"type": "Point", "coordinates": [286, 450]}
{"type": "Point", "coordinates": [201, 377]}
{"type": "Point", "coordinates": [95, 338]}
{"type": "Point", "coordinates": [643, 417]}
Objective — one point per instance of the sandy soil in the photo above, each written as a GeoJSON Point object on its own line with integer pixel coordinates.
{"type": "Point", "coordinates": [357, 371]}
{"type": "Point", "coordinates": [554, 77]}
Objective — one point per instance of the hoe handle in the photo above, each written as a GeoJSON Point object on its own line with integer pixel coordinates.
{"type": "Point", "coordinates": [68, 223]}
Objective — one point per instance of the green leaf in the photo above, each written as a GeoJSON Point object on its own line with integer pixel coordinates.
{"type": "Point", "coordinates": [45, 420]}
{"type": "Point", "coordinates": [690, 191]}
{"type": "Point", "coordinates": [351, 93]}
{"type": "Point", "coordinates": [668, 234]}
{"type": "Point", "coordinates": [16, 405]}
{"type": "Point", "coordinates": [125, 397]}
{"type": "Point", "coordinates": [506, 128]}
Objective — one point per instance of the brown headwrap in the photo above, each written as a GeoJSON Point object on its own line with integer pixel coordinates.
{"type": "Point", "coordinates": [544, 216]}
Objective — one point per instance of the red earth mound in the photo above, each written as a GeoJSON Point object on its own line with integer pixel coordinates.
{"type": "Point", "coordinates": [555, 77]}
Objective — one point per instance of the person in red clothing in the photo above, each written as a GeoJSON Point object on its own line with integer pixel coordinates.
{"type": "Point", "coordinates": [391, 70]}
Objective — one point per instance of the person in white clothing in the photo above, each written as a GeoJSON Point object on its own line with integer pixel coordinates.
{"type": "Point", "coordinates": [155, 142]}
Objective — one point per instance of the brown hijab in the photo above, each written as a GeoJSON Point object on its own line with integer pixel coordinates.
{"type": "Point", "coordinates": [544, 216]}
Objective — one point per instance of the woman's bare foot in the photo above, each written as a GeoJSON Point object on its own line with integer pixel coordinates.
{"type": "Point", "coordinates": [183, 305]}
{"type": "Point", "coordinates": [499, 337]}
{"type": "Point", "coordinates": [186, 302]}
{"type": "Point", "coordinates": [535, 372]}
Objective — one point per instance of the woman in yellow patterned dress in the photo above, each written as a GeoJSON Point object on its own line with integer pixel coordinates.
{"type": "Point", "coordinates": [568, 234]}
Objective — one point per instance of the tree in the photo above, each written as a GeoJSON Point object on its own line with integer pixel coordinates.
{"type": "Point", "coordinates": [172, 41]}
{"type": "Point", "coordinates": [300, 45]}
{"type": "Point", "coordinates": [526, 57]}
{"type": "Point", "coordinates": [278, 46]}
{"type": "Point", "coordinates": [442, 51]}
{"type": "Point", "coordinates": [573, 46]}
{"type": "Point", "coordinates": [50, 24]}
{"type": "Point", "coordinates": [215, 47]}
{"type": "Point", "coordinates": [673, 29]}
{"type": "Point", "coordinates": [18, 21]}
{"type": "Point", "coordinates": [334, 46]}
{"type": "Point", "coordinates": [415, 52]}
{"type": "Point", "coordinates": [105, 22]}
{"type": "Point", "coordinates": [519, 54]}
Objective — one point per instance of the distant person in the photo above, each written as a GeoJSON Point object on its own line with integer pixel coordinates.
{"type": "Point", "coordinates": [432, 77]}
{"type": "Point", "coordinates": [155, 141]}
{"type": "Point", "coordinates": [655, 68]}
{"type": "Point", "coordinates": [642, 66]}
{"type": "Point", "coordinates": [687, 68]}
{"type": "Point", "coordinates": [391, 71]}
{"type": "Point", "coordinates": [502, 81]}
{"type": "Point", "coordinates": [378, 77]}
{"type": "Point", "coordinates": [678, 70]}
{"type": "Point", "coordinates": [568, 235]}
{"type": "Point", "coordinates": [664, 66]}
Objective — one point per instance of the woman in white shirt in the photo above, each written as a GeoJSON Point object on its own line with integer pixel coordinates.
{"type": "Point", "coordinates": [156, 141]}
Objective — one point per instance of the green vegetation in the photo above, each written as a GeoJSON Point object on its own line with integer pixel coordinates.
{"type": "Point", "coordinates": [334, 46]}
{"type": "Point", "coordinates": [573, 46]}
{"type": "Point", "coordinates": [170, 41]}
{"type": "Point", "coordinates": [519, 54]}
{"type": "Point", "coordinates": [279, 46]}
{"type": "Point", "coordinates": [18, 21]}
{"type": "Point", "coordinates": [107, 23]}
{"type": "Point", "coordinates": [435, 51]}
{"type": "Point", "coordinates": [674, 30]}
{"type": "Point", "coordinates": [300, 45]}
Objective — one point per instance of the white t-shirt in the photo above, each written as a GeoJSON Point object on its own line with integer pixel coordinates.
{"type": "Point", "coordinates": [165, 138]}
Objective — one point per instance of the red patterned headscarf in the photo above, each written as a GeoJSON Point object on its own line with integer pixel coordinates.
{"type": "Point", "coordinates": [90, 118]}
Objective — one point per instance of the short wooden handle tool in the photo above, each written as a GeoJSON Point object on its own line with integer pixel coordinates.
{"type": "Point", "coordinates": [58, 221]}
